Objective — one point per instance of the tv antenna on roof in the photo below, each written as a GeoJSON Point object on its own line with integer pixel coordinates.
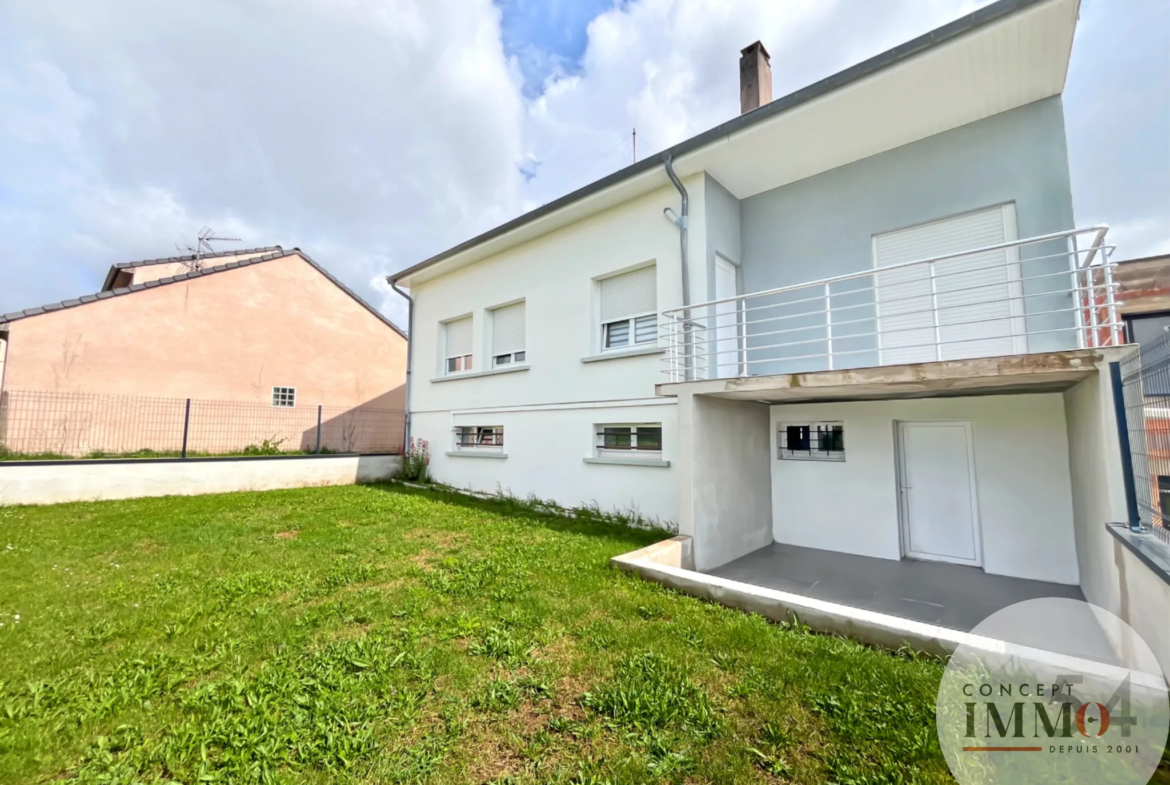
{"type": "Point", "coordinates": [203, 245]}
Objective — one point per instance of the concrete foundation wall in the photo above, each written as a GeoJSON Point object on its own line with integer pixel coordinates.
{"type": "Point", "coordinates": [53, 483]}
{"type": "Point", "coordinates": [1022, 476]}
{"type": "Point", "coordinates": [731, 481]}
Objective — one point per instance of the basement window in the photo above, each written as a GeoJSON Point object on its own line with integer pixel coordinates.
{"type": "Point", "coordinates": [469, 437]}
{"type": "Point", "coordinates": [813, 441]}
{"type": "Point", "coordinates": [642, 440]}
{"type": "Point", "coordinates": [284, 397]}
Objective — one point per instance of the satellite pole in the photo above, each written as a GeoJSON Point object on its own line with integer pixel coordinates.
{"type": "Point", "coordinates": [203, 245]}
{"type": "Point", "coordinates": [635, 145]}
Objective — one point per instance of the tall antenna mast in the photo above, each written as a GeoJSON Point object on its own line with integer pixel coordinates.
{"type": "Point", "coordinates": [203, 245]}
{"type": "Point", "coordinates": [635, 145]}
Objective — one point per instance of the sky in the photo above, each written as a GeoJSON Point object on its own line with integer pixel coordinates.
{"type": "Point", "coordinates": [376, 133]}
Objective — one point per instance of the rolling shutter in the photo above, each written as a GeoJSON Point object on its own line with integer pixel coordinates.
{"type": "Point", "coordinates": [971, 312]}
{"type": "Point", "coordinates": [508, 329]}
{"type": "Point", "coordinates": [629, 294]}
{"type": "Point", "coordinates": [459, 337]}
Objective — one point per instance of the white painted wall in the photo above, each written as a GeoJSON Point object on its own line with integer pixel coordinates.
{"type": "Point", "coordinates": [1021, 466]}
{"type": "Point", "coordinates": [546, 448]}
{"type": "Point", "coordinates": [71, 482]}
{"type": "Point", "coordinates": [555, 276]}
{"type": "Point", "coordinates": [731, 484]}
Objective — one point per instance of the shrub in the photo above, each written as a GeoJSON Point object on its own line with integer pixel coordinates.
{"type": "Point", "coordinates": [416, 461]}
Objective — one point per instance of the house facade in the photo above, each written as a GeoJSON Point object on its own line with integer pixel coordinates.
{"type": "Point", "coordinates": [268, 327]}
{"type": "Point", "coordinates": [859, 319]}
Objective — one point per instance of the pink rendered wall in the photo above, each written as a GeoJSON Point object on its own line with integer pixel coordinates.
{"type": "Point", "coordinates": [229, 336]}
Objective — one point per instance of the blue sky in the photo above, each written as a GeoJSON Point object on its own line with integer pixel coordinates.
{"type": "Point", "coordinates": [375, 133]}
{"type": "Point", "coordinates": [547, 37]}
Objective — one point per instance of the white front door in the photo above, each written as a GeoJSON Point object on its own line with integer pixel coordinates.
{"type": "Point", "coordinates": [727, 358]}
{"type": "Point", "coordinates": [940, 516]}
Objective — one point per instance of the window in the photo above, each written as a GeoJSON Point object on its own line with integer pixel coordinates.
{"type": "Point", "coordinates": [629, 304]}
{"type": "Point", "coordinates": [1164, 499]}
{"type": "Point", "coordinates": [508, 335]}
{"type": "Point", "coordinates": [817, 441]}
{"type": "Point", "coordinates": [630, 441]}
{"type": "Point", "coordinates": [458, 341]}
{"type": "Point", "coordinates": [471, 436]}
{"type": "Point", "coordinates": [284, 397]}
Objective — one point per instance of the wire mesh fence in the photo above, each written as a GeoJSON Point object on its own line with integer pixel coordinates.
{"type": "Point", "coordinates": [1145, 380]}
{"type": "Point", "coordinates": [35, 424]}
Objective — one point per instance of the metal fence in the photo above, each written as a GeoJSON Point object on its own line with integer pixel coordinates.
{"type": "Point", "coordinates": [1145, 387]}
{"type": "Point", "coordinates": [83, 425]}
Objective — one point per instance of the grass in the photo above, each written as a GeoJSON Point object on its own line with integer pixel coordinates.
{"type": "Point", "coordinates": [262, 449]}
{"type": "Point", "coordinates": [381, 634]}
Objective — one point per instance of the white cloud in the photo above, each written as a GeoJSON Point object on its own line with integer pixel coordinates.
{"type": "Point", "coordinates": [374, 134]}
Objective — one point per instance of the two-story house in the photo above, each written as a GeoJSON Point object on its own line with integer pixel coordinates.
{"type": "Point", "coordinates": [859, 319]}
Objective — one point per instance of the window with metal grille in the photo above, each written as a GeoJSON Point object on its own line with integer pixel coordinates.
{"type": "Point", "coordinates": [284, 397]}
{"type": "Point", "coordinates": [629, 304]}
{"type": "Point", "coordinates": [457, 338]}
{"type": "Point", "coordinates": [508, 335]}
{"type": "Point", "coordinates": [816, 441]}
{"type": "Point", "coordinates": [469, 436]}
{"type": "Point", "coordinates": [643, 440]}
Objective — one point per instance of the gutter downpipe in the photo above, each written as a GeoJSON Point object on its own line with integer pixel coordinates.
{"type": "Point", "coordinates": [409, 362]}
{"type": "Point", "coordinates": [682, 223]}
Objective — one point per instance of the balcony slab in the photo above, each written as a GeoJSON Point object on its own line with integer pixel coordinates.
{"type": "Point", "coordinates": [1013, 374]}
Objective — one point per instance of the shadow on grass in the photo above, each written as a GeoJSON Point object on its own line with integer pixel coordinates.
{"type": "Point", "coordinates": [582, 520]}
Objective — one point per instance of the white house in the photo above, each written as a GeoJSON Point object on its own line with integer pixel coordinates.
{"type": "Point", "coordinates": [858, 320]}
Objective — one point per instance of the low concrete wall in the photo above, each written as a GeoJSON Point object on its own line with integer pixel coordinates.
{"type": "Point", "coordinates": [53, 482]}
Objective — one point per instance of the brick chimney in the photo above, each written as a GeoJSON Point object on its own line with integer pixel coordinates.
{"type": "Point", "coordinates": [755, 78]}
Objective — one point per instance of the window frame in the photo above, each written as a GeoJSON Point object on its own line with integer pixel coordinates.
{"type": "Point", "coordinates": [483, 437]}
{"type": "Point", "coordinates": [632, 341]}
{"type": "Point", "coordinates": [634, 451]}
{"type": "Point", "coordinates": [456, 364]}
{"type": "Point", "coordinates": [283, 397]}
{"type": "Point", "coordinates": [814, 432]}
{"type": "Point", "coordinates": [513, 358]}
{"type": "Point", "coordinates": [516, 356]}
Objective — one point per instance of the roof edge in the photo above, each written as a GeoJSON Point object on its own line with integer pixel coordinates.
{"type": "Point", "coordinates": [948, 32]}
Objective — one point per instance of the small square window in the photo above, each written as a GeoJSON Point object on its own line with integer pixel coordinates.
{"type": "Point", "coordinates": [284, 397]}
{"type": "Point", "coordinates": [459, 364]}
{"type": "Point", "coordinates": [817, 441]}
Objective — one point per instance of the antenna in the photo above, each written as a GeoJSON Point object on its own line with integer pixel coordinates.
{"type": "Point", "coordinates": [635, 145]}
{"type": "Point", "coordinates": [203, 245]}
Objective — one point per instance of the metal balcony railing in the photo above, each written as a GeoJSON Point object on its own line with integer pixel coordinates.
{"type": "Point", "coordinates": [1047, 293]}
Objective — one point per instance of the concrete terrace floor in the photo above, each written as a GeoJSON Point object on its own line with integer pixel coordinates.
{"type": "Point", "coordinates": [946, 595]}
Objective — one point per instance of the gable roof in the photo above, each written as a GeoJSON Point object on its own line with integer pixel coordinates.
{"type": "Point", "coordinates": [107, 293]}
{"type": "Point", "coordinates": [109, 282]}
{"type": "Point", "coordinates": [849, 77]}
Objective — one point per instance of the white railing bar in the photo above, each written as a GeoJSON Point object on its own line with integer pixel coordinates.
{"type": "Point", "coordinates": [902, 265]}
{"type": "Point", "coordinates": [874, 305]}
{"type": "Point", "coordinates": [879, 332]}
{"type": "Point", "coordinates": [874, 288]}
{"type": "Point", "coordinates": [876, 350]}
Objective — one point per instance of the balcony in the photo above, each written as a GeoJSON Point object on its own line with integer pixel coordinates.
{"type": "Point", "coordinates": [1042, 294]}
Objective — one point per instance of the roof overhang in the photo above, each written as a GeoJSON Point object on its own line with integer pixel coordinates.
{"type": "Point", "coordinates": [1006, 55]}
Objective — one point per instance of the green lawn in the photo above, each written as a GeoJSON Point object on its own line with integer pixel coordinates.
{"type": "Point", "coordinates": [376, 634]}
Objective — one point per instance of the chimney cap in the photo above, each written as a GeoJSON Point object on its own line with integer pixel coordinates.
{"type": "Point", "coordinates": [757, 45]}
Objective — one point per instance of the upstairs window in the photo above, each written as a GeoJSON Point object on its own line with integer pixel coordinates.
{"type": "Point", "coordinates": [508, 335]}
{"type": "Point", "coordinates": [629, 305]}
{"type": "Point", "coordinates": [817, 441]}
{"type": "Point", "coordinates": [472, 436]}
{"type": "Point", "coordinates": [642, 440]}
{"type": "Point", "coordinates": [284, 397]}
{"type": "Point", "coordinates": [458, 343]}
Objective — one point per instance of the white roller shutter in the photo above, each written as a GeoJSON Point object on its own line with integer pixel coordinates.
{"type": "Point", "coordinates": [459, 337]}
{"type": "Point", "coordinates": [629, 294]}
{"type": "Point", "coordinates": [508, 329]}
{"type": "Point", "coordinates": [974, 310]}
